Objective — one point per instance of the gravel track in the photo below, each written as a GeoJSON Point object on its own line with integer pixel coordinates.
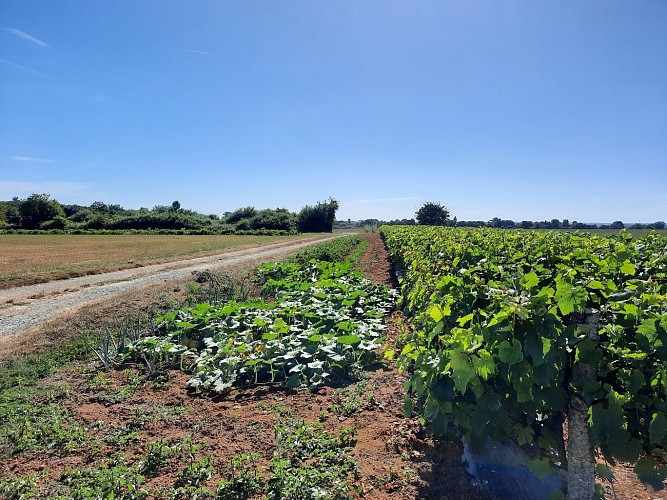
{"type": "Point", "coordinates": [25, 307]}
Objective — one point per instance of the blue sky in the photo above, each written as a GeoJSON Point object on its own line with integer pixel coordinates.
{"type": "Point", "coordinates": [516, 109]}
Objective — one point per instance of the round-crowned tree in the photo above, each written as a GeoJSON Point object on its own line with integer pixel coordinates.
{"type": "Point", "coordinates": [432, 214]}
{"type": "Point", "coordinates": [37, 209]}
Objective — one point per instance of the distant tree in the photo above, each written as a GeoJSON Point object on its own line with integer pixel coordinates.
{"type": "Point", "coordinates": [58, 222]}
{"type": "Point", "coordinates": [527, 224]}
{"type": "Point", "coordinates": [95, 220]}
{"type": "Point", "coordinates": [175, 206]}
{"type": "Point", "coordinates": [471, 223]}
{"type": "Point", "coordinates": [80, 215]}
{"type": "Point", "coordinates": [555, 224]}
{"type": "Point", "coordinates": [99, 206]}
{"type": "Point", "coordinates": [318, 219]}
{"type": "Point", "coordinates": [658, 225]}
{"type": "Point", "coordinates": [565, 224]}
{"type": "Point", "coordinates": [115, 209]}
{"type": "Point", "coordinates": [280, 218]}
{"type": "Point", "coordinates": [370, 223]}
{"type": "Point", "coordinates": [432, 214]}
{"type": "Point", "coordinates": [37, 209]}
{"type": "Point", "coordinates": [498, 222]}
{"type": "Point", "coordinates": [240, 214]}
{"type": "Point", "coordinates": [12, 212]}
{"type": "Point", "coordinates": [617, 224]}
{"type": "Point", "coordinates": [73, 209]}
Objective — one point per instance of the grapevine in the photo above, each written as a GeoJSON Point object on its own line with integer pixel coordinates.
{"type": "Point", "coordinates": [517, 332]}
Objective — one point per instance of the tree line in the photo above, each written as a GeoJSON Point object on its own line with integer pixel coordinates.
{"type": "Point", "coordinates": [435, 214]}
{"type": "Point", "coordinates": [41, 212]}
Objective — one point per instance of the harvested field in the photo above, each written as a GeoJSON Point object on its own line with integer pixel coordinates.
{"type": "Point", "coordinates": [29, 259]}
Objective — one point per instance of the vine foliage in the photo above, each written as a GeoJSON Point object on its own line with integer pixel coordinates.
{"type": "Point", "coordinates": [502, 319]}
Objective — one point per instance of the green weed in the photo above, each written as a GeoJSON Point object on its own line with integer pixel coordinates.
{"type": "Point", "coordinates": [242, 479]}
{"type": "Point", "coordinates": [349, 400]}
{"type": "Point", "coordinates": [27, 425]}
{"type": "Point", "coordinates": [19, 488]}
{"type": "Point", "coordinates": [112, 481]}
{"type": "Point", "coordinates": [158, 455]}
{"type": "Point", "coordinates": [310, 463]}
{"type": "Point", "coordinates": [196, 473]}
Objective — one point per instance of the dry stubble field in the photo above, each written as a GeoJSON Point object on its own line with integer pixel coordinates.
{"type": "Point", "coordinates": [29, 259]}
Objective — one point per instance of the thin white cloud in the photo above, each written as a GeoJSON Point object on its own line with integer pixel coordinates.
{"type": "Point", "coordinates": [22, 68]}
{"type": "Point", "coordinates": [30, 158]}
{"type": "Point", "coordinates": [9, 189]}
{"type": "Point", "coordinates": [199, 52]}
{"type": "Point", "coordinates": [26, 36]}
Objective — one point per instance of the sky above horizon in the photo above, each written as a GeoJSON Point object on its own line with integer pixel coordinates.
{"type": "Point", "coordinates": [512, 109]}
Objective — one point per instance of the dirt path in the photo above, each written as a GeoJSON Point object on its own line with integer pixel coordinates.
{"type": "Point", "coordinates": [26, 307]}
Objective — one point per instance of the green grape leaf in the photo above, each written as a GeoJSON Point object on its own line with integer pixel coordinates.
{"type": "Point", "coordinates": [465, 319]}
{"type": "Point", "coordinates": [570, 298]}
{"type": "Point", "coordinates": [595, 285]}
{"type": "Point", "coordinates": [603, 470]}
{"type": "Point", "coordinates": [437, 313]}
{"type": "Point", "coordinates": [606, 421]}
{"type": "Point", "coordinates": [588, 352]}
{"type": "Point", "coordinates": [649, 472]}
{"type": "Point", "coordinates": [556, 495]}
{"type": "Point", "coordinates": [532, 347]}
{"type": "Point", "coordinates": [408, 406]}
{"type": "Point", "coordinates": [593, 389]}
{"type": "Point", "coordinates": [462, 370]}
{"type": "Point", "coordinates": [631, 310]}
{"type": "Point", "coordinates": [443, 389]}
{"type": "Point", "coordinates": [628, 268]}
{"type": "Point", "coordinates": [523, 385]}
{"type": "Point", "coordinates": [439, 424]}
{"type": "Point", "coordinates": [293, 381]}
{"type": "Point", "coordinates": [484, 363]}
{"type": "Point", "coordinates": [530, 280]}
{"type": "Point", "coordinates": [280, 326]}
{"type": "Point", "coordinates": [510, 353]}
{"type": "Point", "coordinates": [541, 467]}
{"type": "Point", "coordinates": [623, 447]}
{"type": "Point", "coordinates": [648, 329]}
{"type": "Point", "coordinates": [523, 434]}
{"type": "Point", "coordinates": [637, 381]}
{"type": "Point", "coordinates": [658, 428]}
